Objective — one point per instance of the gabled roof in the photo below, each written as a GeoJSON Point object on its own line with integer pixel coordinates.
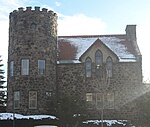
{"type": "Point", "coordinates": [72, 47]}
{"type": "Point", "coordinates": [98, 42]}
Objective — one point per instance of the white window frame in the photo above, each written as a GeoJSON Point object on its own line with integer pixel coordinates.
{"type": "Point", "coordinates": [12, 68]}
{"type": "Point", "coordinates": [89, 97]}
{"type": "Point", "coordinates": [41, 67]}
{"type": "Point", "coordinates": [16, 99]}
{"type": "Point", "coordinates": [32, 99]}
{"type": "Point", "coordinates": [89, 100]}
{"type": "Point", "coordinates": [25, 66]}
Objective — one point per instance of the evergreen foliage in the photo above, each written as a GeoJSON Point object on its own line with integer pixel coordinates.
{"type": "Point", "coordinates": [2, 89]}
{"type": "Point", "coordinates": [70, 109]}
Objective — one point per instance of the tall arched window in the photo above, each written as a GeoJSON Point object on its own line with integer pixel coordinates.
{"type": "Point", "coordinates": [109, 64]}
{"type": "Point", "coordinates": [98, 58]}
{"type": "Point", "coordinates": [88, 67]}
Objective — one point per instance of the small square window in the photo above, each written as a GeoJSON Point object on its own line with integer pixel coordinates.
{"type": "Point", "coordinates": [49, 93]}
{"type": "Point", "coordinates": [89, 97]}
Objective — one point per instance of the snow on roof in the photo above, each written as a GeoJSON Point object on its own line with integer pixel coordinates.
{"type": "Point", "coordinates": [107, 122]}
{"type": "Point", "coordinates": [5, 116]}
{"type": "Point", "coordinates": [112, 42]}
{"type": "Point", "coordinates": [68, 61]}
{"type": "Point", "coordinates": [118, 48]}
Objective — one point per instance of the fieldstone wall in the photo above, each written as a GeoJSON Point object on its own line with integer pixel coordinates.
{"type": "Point", "coordinates": [125, 84]}
{"type": "Point", "coordinates": [70, 78]}
{"type": "Point", "coordinates": [33, 36]}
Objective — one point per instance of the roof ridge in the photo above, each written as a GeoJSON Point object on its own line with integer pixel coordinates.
{"type": "Point", "coordinates": [90, 36]}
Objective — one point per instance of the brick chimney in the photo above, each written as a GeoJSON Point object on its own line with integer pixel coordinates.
{"type": "Point", "coordinates": [131, 32]}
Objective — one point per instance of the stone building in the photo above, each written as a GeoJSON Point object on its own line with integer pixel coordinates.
{"type": "Point", "coordinates": [104, 70]}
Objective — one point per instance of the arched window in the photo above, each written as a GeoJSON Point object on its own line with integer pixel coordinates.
{"type": "Point", "coordinates": [98, 58]}
{"type": "Point", "coordinates": [109, 64]}
{"type": "Point", "coordinates": [88, 67]}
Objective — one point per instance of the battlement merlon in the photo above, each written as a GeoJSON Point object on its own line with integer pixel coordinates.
{"type": "Point", "coordinates": [36, 9]}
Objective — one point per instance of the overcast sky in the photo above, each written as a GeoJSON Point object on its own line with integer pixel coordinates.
{"type": "Point", "coordinates": [88, 17]}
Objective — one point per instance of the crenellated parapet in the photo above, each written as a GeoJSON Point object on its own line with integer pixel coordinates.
{"type": "Point", "coordinates": [36, 9]}
{"type": "Point", "coordinates": [30, 16]}
{"type": "Point", "coordinates": [32, 26]}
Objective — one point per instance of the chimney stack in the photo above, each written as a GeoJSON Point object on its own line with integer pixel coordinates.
{"type": "Point", "coordinates": [131, 36]}
{"type": "Point", "coordinates": [131, 32]}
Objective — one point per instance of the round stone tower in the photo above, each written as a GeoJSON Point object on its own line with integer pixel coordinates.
{"type": "Point", "coordinates": [32, 57]}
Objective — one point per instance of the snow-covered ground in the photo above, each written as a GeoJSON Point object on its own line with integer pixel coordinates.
{"type": "Point", "coordinates": [11, 116]}
{"type": "Point", "coordinates": [7, 116]}
{"type": "Point", "coordinates": [107, 122]}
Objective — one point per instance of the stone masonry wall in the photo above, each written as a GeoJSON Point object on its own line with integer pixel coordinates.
{"type": "Point", "coordinates": [126, 80]}
{"type": "Point", "coordinates": [33, 36]}
{"type": "Point", "coordinates": [70, 78]}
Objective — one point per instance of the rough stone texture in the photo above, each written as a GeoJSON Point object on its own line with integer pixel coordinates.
{"type": "Point", "coordinates": [32, 35]}
{"type": "Point", "coordinates": [126, 81]}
